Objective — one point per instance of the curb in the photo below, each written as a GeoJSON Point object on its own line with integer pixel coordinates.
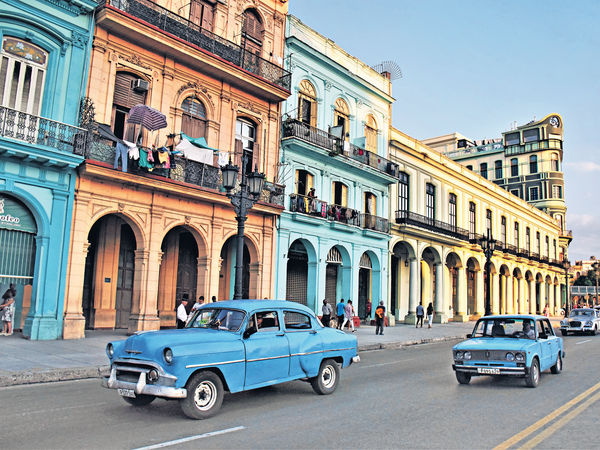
{"type": "Point", "coordinates": [403, 344]}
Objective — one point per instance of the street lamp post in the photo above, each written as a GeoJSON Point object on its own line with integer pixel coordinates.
{"type": "Point", "coordinates": [566, 265]}
{"type": "Point", "coordinates": [488, 245]}
{"type": "Point", "coordinates": [242, 199]}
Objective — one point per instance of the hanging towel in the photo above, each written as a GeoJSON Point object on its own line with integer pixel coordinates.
{"type": "Point", "coordinates": [193, 153]}
{"type": "Point", "coordinates": [223, 158]}
{"type": "Point", "coordinates": [144, 159]}
{"type": "Point", "coordinates": [134, 152]}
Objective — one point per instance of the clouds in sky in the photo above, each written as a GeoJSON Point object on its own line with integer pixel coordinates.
{"type": "Point", "coordinates": [582, 166]}
{"type": "Point", "coordinates": [586, 236]}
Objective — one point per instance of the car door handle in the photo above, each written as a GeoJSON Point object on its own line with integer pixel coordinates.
{"type": "Point", "coordinates": [280, 334]}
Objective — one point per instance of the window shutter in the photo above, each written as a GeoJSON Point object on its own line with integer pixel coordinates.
{"type": "Point", "coordinates": [296, 181]}
{"type": "Point", "coordinates": [344, 195]}
{"type": "Point", "coordinates": [309, 182]}
{"type": "Point", "coordinates": [125, 96]}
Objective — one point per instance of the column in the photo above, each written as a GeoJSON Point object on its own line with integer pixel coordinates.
{"type": "Point", "coordinates": [144, 304]}
{"type": "Point", "coordinates": [413, 296]}
{"type": "Point", "coordinates": [510, 300]}
{"type": "Point", "coordinates": [74, 321]}
{"type": "Point", "coordinates": [441, 312]}
{"type": "Point", "coordinates": [531, 286]}
{"type": "Point", "coordinates": [479, 295]}
{"type": "Point", "coordinates": [460, 315]}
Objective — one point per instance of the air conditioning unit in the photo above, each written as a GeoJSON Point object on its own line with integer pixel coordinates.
{"type": "Point", "coordinates": [141, 85]}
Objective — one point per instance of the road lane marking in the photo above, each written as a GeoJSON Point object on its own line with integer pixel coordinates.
{"type": "Point", "coordinates": [191, 438]}
{"type": "Point", "coordinates": [583, 342]}
{"type": "Point", "coordinates": [386, 363]}
{"type": "Point", "coordinates": [561, 422]}
{"type": "Point", "coordinates": [544, 420]}
{"type": "Point", "coordinates": [61, 409]}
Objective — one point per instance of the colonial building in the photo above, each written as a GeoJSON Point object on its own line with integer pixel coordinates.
{"type": "Point", "coordinates": [442, 210]}
{"type": "Point", "coordinates": [526, 161]}
{"type": "Point", "coordinates": [43, 59]}
{"type": "Point", "coordinates": [147, 235]}
{"type": "Point", "coordinates": [334, 232]}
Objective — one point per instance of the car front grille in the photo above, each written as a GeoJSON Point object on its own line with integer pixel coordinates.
{"type": "Point", "coordinates": [129, 371]}
{"type": "Point", "coordinates": [574, 323]}
{"type": "Point", "coordinates": [488, 355]}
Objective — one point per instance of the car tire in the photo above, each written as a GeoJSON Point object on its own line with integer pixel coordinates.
{"type": "Point", "coordinates": [139, 400]}
{"type": "Point", "coordinates": [594, 331]}
{"type": "Point", "coordinates": [533, 377]}
{"type": "Point", "coordinates": [557, 368]}
{"type": "Point", "coordinates": [205, 394]}
{"type": "Point", "coordinates": [327, 379]}
{"type": "Point", "coordinates": [463, 377]}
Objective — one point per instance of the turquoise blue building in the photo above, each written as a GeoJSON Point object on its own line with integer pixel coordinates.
{"type": "Point", "coordinates": [44, 62]}
{"type": "Point", "coordinates": [334, 234]}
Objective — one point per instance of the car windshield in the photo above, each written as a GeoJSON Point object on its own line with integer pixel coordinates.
{"type": "Point", "coordinates": [581, 312]}
{"type": "Point", "coordinates": [521, 328]}
{"type": "Point", "coordinates": [217, 318]}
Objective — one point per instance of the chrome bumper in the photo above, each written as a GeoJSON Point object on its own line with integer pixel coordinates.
{"type": "Point", "coordinates": [356, 359]}
{"type": "Point", "coordinates": [517, 371]}
{"type": "Point", "coordinates": [141, 387]}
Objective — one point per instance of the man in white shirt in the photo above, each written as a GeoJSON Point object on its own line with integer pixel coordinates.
{"type": "Point", "coordinates": [182, 313]}
{"type": "Point", "coordinates": [199, 303]}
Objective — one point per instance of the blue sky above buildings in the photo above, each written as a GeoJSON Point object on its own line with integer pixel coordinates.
{"type": "Point", "coordinates": [476, 66]}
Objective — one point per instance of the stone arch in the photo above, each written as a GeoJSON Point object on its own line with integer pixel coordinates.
{"type": "Point", "coordinates": [129, 218]}
{"type": "Point", "coordinates": [301, 273]}
{"type": "Point", "coordinates": [403, 261]}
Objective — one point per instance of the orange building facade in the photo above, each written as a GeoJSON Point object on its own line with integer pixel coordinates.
{"type": "Point", "coordinates": [146, 237]}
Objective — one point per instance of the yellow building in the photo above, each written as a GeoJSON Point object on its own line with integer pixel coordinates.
{"type": "Point", "coordinates": [442, 210]}
{"type": "Point", "coordinates": [146, 237]}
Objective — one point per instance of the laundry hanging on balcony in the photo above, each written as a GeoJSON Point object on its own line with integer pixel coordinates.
{"type": "Point", "coordinates": [196, 149]}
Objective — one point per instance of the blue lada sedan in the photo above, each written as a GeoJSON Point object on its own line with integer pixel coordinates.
{"type": "Point", "coordinates": [519, 346]}
{"type": "Point", "coordinates": [229, 346]}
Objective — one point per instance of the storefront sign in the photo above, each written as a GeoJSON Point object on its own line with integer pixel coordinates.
{"type": "Point", "coordinates": [14, 215]}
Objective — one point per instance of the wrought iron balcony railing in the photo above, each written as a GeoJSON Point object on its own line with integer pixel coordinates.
{"type": "Point", "coordinates": [41, 131]}
{"type": "Point", "coordinates": [335, 146]}
{"type": "Point", "coordinates": [315, 207]}
{"type": "Point", "coordinates": [404, 217]}
{"type": "Point", "coordinates": [183, 28]}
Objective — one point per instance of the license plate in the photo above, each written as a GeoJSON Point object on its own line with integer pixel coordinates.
{"type": "Point", "coordinates": [126, 392]}
{"type": "Point", "coordinates": [488, 371]}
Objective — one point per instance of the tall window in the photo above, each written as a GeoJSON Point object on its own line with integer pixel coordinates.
{"type": "Point", "coordinates": [341, 115]}
{"type": "Point", "coordinates": [452, 210]}
{"type": "Point", "coordinates": [559, 218]}
{"type": "Point", "coordinates": [304, 182]}
{"type": "Point", "coordinates": [503, 230]}
{"type": "Point", "coordinates": [547, 247]}
{"type": "Point", "coordinates": [340, 194]}
{"type": "Point", "coordinates": [533, 166]}
{"type": "Point", "coordinates": [472, 218]}
{"type": "Point", "coordinates": [403, 192]}
{"type": "Point", "coordinates": [514, 167]}
{"type": "Point", "coordinates": [555, 250]}
{"type": "Point", "coordinates": [252, 32]}
{"type": "Point", "coordinates": [126, 96]}
{"type": "Point", "coordinates": [483, 170]}
{"type": "Point", "coordinates": [537, 243]}
{"type": "Point", "coordinates": [201, 13]}
{"type": "Point", "coordinates": [557, 191]}
{"type": "Point", "coordinates": [534, 193]}
{"type": "Point", "coordinates": [527, 239]}
{"type": "Point", "coordinates": [245, 135]}
{"type": "Point", "coordinates": [370, 206]}
{"type": "Point", "coordinates": [554, 162]}
{"type": "Point", "coordinates": [22, 74]}
{"type": "Point", "coordinates": [193, 121]}
{"type": "Point", "coordinates": [498, 169]}
{"type": "Point", "coordinates": [307, 103]}
{"type": "Point", "coordinates": [430, 201]}
{"type": "Point", "coordinates": [517, 241]}
{"type": "Point", "coordinates": [371, 134]}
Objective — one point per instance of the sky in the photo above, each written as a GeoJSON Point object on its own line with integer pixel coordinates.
{"type": "Point", "coordinates": [477, 66]}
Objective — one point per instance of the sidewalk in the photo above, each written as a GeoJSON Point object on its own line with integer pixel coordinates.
{"type": "Point", "coordinates": [23, 361]}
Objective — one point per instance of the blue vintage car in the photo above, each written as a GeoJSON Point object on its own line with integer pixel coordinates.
{"type": "Point", "coordinates": [519, 345]}
{"type": "Point", "coordinates": [229, 346]}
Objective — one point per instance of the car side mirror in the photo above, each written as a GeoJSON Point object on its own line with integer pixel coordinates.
{"type": "Point", "coordinates": [469, 336]}
{"type": "Point", "coordinates": [543, 336]}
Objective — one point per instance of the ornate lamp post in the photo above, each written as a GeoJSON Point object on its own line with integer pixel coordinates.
{"type": "Point", "coordinates": [242, 199]}
{"type": "Point", "coordinates": [596, 267]}
{"type": "Point", "coordinates": [488, 245]}
{"type": "Point", "coordinates": [567, 265]}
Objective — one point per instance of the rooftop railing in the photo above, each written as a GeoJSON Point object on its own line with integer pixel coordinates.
{"type": "Point", "coordinates": [41, 131]}
{"type": "Point", "coordinates": [183, 28]}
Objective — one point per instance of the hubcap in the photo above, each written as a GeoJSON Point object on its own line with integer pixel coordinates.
{"type": "Point", "coordinates": [328, 376]}
{"type": "Point", "coordinates": [205, 395]}
{"type": "Point", "coordinates": [536, 373]}
{"type": "Point", "coordinates": [559, 363]}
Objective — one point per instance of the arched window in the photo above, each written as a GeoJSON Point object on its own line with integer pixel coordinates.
{"type": "Point", "coordinates": [554, 162]}
{"type": "Point", "coordinates": [341, 116]}
{"type": "Point", "coordinates": [307, 103]}
{"type": "Point", "coordinates": [22, 74]}
{"type": "Point", "coordinates": [252, 31]}
{"type": "Point", "coordinates": [193, 121]}
{"type": "Point", "coordinates": [130, 90]}
{"type": "Point", "coordinates": [371, 134]}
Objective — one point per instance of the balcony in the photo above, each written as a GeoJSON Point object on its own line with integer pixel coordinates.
{"type": "Point", "coordinates": [182, 28]}
{"type": "Point", "coordinates": [40, 131]}
{"type": "Point", "coordinates": [404, 217]}
{"type": "Point", "coordinates": [293, 128]}
{"type": "Point", "coordinates": [184, 171]}
{"type": "Point", "coordinates": [312, 206]}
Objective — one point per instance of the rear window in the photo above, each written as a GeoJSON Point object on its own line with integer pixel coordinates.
{"type": "Point", "coordinates": [296, 321]}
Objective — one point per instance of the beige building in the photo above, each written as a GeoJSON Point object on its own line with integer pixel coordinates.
{"type": "Point", "coordinates": [442, 210]}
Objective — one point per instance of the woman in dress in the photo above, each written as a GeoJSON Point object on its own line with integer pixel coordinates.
{"type": "Point", "coordinates": [7, 310]}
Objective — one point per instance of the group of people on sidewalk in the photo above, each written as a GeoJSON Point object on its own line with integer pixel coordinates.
{"type": "Point", "coordinates": [184, 312]}
{"type": "Point", "coordinates": [421, 315]}
{"type": "Point", "coordinates": [345, 314]}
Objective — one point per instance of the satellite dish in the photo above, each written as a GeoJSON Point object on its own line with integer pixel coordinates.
{"type": "Point", "coordinates": [390, 67]}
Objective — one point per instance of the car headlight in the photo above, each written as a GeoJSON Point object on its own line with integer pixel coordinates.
{"type": "Point", "coordinates": [510, 356]}
{"type": "Point", "coordinates": [588, 323]}
{"type": "Point", "coordinates": [168, 354]}
{"type": "Point", "coordinates": [519, 356]}
{"type": "Point", "coordinates": [152, 375]}
{"type": "Point", "coordinates": [459, 355]}
{"type": "Point", "coordinates": [467, 355]}
{"type": "Point", "coordinates": [110, 350]}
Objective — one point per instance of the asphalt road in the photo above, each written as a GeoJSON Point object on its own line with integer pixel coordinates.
{"type": "Point", "coordinates": [392, 399]}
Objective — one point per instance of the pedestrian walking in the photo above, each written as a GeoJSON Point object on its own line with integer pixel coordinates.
{"type": "Point", "coordinates": [340, 313]}
{"type": "Point", "coordinates": [7, 310]}
{"type": "Point", "coordinates": [213, 298]}
{"type": "Point", "coordinates": [348, 315]}
{"type": "Point", "coordinates": [420, 314]}
{"type": "Point", "coordinates": [198, 303]}
{"type": "Point", "coordinates": [182, 312]}
{"type": "Point", "coordinates": [379, 318]}
{"type": "Point", "coordinates": [430, 314]}
{"type": "Point", "coordinates": [327, 310]}
{"type": "Point", "coordinates": [546, 311]}
{"type": "Point", "coordinates": [368, 312]}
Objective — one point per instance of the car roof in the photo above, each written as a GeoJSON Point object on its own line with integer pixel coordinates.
{"type": "Point", "coordinates": [516, 316]}
{"type": "Point", "coordinates": [582, 309]}
{"type": "Point", "coordinates": [252, 305]}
